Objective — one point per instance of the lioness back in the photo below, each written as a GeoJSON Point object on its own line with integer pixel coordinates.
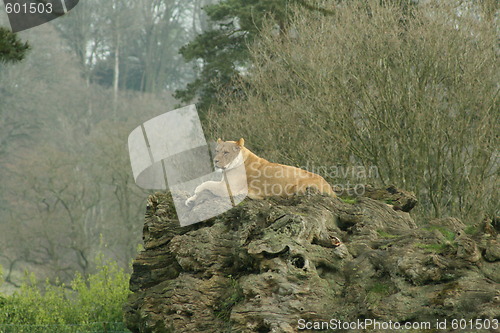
{"type": "Point", "coordinates": [265, 179]}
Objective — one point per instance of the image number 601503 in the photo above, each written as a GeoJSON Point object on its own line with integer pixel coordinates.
{"type": "Point", "coordinates": [32, 8]}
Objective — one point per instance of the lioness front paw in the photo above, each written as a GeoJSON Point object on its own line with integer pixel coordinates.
{"type": "Point", "coordinates": [190, 201]}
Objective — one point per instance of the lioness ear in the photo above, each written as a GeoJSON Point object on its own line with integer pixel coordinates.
{"type": "Point", "coordinates": [219, 140]}
{"type": "Point", "coordinates": [240, 142]}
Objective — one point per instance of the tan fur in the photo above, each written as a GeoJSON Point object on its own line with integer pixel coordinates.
{"type": "Point", "coordinates": [263, 178]}
{"type": "Point", "coordinates": [266, 179]}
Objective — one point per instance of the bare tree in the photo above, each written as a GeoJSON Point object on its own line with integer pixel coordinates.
{"type": "Point", "coordinates": [413, 93]}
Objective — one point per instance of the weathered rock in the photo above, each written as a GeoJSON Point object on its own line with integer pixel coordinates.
{"type": "Point", "coordinates": [266, 264]}
{"type": "Point", "coordinates": [399, 199]}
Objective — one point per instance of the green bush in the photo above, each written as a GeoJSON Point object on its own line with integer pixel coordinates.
{"type": "Point", "coordinates": [88, 301]}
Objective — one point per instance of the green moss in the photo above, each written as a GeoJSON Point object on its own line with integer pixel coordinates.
{"type": "Point", "coordinates": [471, 230]}
{"type": "Point", "coordinates": [376, 292]}
{"type": "Point", "coordinates": [448, 234]}
{"type": "Point", "coordinates": [242, 203]}
{"type": "Point", "coordinates": [386, 246]}
{"type": "Point", "coordinates": [447, 243]}
{"type": "Point", "coordinates": [349, 200]}
{"type": "Point", "coordinates": [435, 248]}
{"type": "Point", "coordinates": [384, 234]}
{"type": "Point", "coordinates": [379, 288]}
{"type": "Point", "coordinates": [301, 214]}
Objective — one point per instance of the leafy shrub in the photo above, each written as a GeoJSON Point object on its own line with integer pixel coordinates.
{"type": "Point", "coordinates": [94, 299]}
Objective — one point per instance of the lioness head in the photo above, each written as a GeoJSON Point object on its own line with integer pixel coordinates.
{"type": "Point", "coordinates": [227, 154]}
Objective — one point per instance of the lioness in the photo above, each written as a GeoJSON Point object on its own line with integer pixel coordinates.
{"type": "Point", "coordinates": [263, 178]}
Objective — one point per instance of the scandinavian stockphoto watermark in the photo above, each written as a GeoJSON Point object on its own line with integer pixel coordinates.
{"type": "Point", "coordinates": [353, 177]}
{"type": "Point", "coordinates": [263, 182]}
{"type": "Point", "coordinates": [25, 14]}
{"type": "Point", "coordinates": [357, 172]}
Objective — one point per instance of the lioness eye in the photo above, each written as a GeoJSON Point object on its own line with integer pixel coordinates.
{"type": "Point", "coordinates": [225, 153]}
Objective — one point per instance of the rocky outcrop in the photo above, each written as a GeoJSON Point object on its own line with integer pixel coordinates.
{"type": "Point", "coordinates": [275, 265]}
